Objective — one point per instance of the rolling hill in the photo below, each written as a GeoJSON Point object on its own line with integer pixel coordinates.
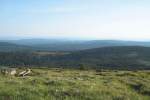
{"type": "Point", "coordinates": [9, 47]}
{"type": "Point", "coordinates": [74, 45]}
{"type": "Point", "coordinates": [114, 57]}
{"type": "Point", "coordinates": [117, 57]}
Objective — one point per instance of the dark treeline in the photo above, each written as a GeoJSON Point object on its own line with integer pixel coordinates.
{"type": "Point", "coordinates": [128, 57]}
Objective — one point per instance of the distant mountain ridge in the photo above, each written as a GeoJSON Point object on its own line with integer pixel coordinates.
{"type": "Point", "coordinates": [8, 47]}
{"type": "Point", "coordinates": [71, 45]}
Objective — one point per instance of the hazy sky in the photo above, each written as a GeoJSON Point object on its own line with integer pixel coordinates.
{"type": "Point", "coordinates": [88, 19]}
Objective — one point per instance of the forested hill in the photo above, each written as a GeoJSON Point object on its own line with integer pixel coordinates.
{"type": "Point", "coordinates": [9, 47]}
{"type": "Point", "coordinates": [72, 45]}
{"type": "Point", "coordinates": [75, 45]}
{"type": "Point", "coordinates": [115, 57]}
{"type": "Point", "coordinates": [119, 57]}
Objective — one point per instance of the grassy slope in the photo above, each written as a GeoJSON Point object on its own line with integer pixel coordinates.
{"type": "Point", "coordinates": [54, 84]}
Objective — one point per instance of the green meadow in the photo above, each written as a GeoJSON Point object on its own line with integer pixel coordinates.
{"type": "Point", "coordinates": [70, 84]}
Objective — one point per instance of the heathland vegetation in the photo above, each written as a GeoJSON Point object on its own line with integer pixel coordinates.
{"type": "Point", "coordinates": [67, 84]}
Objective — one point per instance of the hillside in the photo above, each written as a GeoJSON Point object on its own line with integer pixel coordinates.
{"type": "Point", "coordinates": [9, 47]}
{"type": "Point", "coordinates": [114, 57]}
{"type": "Point", "coordinates": [74, 45]}
{"type": "Point", "coordinates": [119, 57]}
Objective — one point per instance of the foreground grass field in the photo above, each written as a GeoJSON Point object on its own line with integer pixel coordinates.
{"type": "Point", "coordinates": [61, 84]}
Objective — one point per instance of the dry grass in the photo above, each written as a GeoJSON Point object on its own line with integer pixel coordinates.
{"type": "Point", "coordinates": [58, 84]}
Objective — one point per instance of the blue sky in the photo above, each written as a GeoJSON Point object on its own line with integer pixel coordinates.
{"type": "Point", "coordinates": [83, 19]}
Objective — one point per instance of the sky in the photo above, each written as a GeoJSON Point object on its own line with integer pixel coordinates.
{"type": "Point", "coordinates": [75, 19]}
